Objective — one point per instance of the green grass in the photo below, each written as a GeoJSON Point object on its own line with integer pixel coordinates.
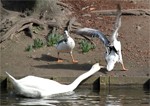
{"type": "Point", "coordinates": [37, 43]}
{"type": "Point", "coordinates": [36, 29]}
{"type": "Point", "coordinates": [53, 39]}
{"type": "Point", "coordinates": [86, 46]}
{"type": "Point", "coordinates": [29, 48]}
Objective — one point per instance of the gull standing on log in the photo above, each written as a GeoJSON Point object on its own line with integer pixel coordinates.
{"type": "Point", "coordinates": [113, 48]}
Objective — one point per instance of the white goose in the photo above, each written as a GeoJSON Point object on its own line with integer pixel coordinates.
{"type": "Point", "coordinates": [66, 45]}
{"type": "Point", "coordinates": [32, 86]}
{"type": "Point", "coordinates": [113, 48]}
{"type": "Point", "coordinates": [113, 53]}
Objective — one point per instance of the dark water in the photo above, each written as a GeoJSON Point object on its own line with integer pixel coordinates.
{"type": "Point", "coordinates": [84, 97]}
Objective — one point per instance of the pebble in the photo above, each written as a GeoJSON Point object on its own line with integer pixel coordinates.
{"type": "Point", "coordinates": [138, 27]}
{"type": "Point", "coordinates": [133, 1]}
{"type": "Point", "coordinates": [2, 47]}
{"type": "Point", "coordinates": [48, 53]}
{"type": "Point", "coordinates": [92, 8]}
{"type": "Point", "coordinates": [147, 74]}
{"type": "Point", "coordinates": [86, 15]}
{"type": "Point", "coordinates": [85, 8]}
{"type": "Point", "coordinates": [32, 56]}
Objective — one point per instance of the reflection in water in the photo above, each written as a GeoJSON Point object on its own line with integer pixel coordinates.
{"type": "Point", "coordinates": [112, 101]}
{"type": "Point", "coordinates": [82, 97]}
{"type": "Point", "coordinates": [35, 102]}
{"type": "Point", "coordinates": [125, 97]}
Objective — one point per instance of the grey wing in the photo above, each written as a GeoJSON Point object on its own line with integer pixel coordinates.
{"type": "Point", "coordinates": [93, 32]}
{"type": "Point", "coordinates": [117, 23]}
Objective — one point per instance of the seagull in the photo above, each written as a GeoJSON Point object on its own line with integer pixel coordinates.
{"type": "Point", "coordinates": [66, 45]}
{"type": "Point", "coordinates": [37, 87]}
{"type": "Point", "coordinates": [113, 48]}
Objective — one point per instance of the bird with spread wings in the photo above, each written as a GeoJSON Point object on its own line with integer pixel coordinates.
{"type": "Point", "coordinates": [113, 47]}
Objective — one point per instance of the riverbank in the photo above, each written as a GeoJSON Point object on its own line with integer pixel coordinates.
{"type": "Point", "coordinates": [134, 36]}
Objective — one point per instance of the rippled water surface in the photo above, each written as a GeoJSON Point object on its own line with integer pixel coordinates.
{"type": "Point", "coordinates": [84, 97]}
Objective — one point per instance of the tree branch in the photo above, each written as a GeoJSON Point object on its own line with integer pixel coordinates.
{"type": "Point", "coordinates": [124, 12]}
{"type": "Point", "coordinates": [22, 24]}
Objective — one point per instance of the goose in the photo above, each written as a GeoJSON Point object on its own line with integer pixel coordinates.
{"type": "Point", "coordinates": [113, 48]}
{"type": "Point", "coordinates": [66, 45]}
{"type": "Point", "coordinates": [34, 87]}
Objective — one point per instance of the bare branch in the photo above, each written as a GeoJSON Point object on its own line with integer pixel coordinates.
{"type": "Point", "coordinates": [124, 12]}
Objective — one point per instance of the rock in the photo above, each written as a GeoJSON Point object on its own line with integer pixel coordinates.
{"type": "Point", "coordinates": [92, 8]}
{"type": "Point", "coordinates": [85, 8]}
{"type": "Point", "coordinates": [133, 1]}
{"type": "Point", "coordinates": [86, 15]}
{"type": "Point", "coordinates": [138, 27]}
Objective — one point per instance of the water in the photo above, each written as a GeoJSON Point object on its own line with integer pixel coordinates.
{"type": "Point", "coordinates": [84, 97]}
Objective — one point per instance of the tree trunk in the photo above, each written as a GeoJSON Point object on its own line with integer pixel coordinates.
{"type": "Point", "coordinates": [42, 12]}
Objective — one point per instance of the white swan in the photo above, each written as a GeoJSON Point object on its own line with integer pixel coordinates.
{"type": "Point", "coordinates": [66, 45]}
{"type": "Point", "coordinates": [32, 86]}
{"type": "Point", "coordinates": [113, 47]}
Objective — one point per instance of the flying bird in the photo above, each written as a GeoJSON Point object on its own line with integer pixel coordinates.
{"type": "Point", "coordinates": [66, 45]}
{"type": "Point", "coordinates": [32, 86]}
{"type": "Point", "coordinates": [113, 48]}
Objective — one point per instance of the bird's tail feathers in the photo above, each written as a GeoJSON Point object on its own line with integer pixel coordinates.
{"type": "Point", "coordinates": [118, 17]}
{"type": "Point", "coordinates": [117, 23]}
{"type": "Point", "coordinates": [119, 12]}
{"type": "Point", "coordinates": [12, 79]}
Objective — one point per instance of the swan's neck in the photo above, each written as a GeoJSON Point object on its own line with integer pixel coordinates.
{"type": "Point", "coordinates": [82, 77]}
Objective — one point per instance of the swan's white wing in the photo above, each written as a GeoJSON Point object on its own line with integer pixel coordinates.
{"type": "Point", "coordinates": [33, 86]}
{"type": "Point", "coordinates": [38, 82]}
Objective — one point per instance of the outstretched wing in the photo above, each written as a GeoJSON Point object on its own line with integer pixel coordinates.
{"type": "Point", "coordinates": [117, 23]}
{"type": "Point", "coordinates": [93, 32]}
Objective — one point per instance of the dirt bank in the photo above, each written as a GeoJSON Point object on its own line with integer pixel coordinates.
{"type": "Point", "coordinates": [134, 35]}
